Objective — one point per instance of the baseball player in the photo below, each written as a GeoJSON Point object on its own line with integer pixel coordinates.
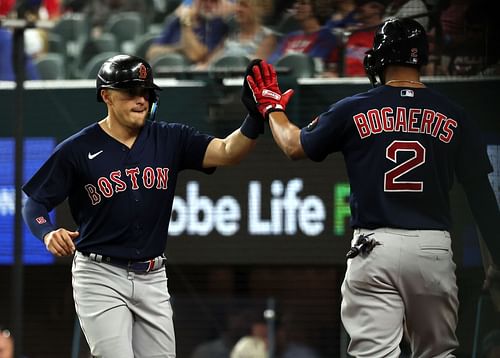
{"type": "Point", "coordinates": [119, 177]}
{"type": "Point", "coordinates": [403, 144]}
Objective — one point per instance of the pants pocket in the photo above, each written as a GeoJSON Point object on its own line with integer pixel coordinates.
{"type": "Point", "coordinates": [436, 267]}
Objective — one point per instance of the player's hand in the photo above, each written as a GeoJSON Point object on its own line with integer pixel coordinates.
{"type": "Point", "coordinates": [492, 283]}
{"type": "Point", "coordinates": [60, 242]}
{"type": "Point", "coordinates": [266, 93]}
{"type": "Point", "coordinates": [247, 97]}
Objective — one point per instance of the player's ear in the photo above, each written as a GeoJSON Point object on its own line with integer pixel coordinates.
{"type": "Point", "coordinates": [106, 95]}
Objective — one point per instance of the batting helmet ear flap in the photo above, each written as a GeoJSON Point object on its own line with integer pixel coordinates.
{"type": "Point", "coordinates": [153, 107]}
{"type": "Point", "coordinates": [371, 70]}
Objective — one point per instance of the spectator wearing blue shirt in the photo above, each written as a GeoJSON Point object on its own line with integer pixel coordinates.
{"type": "Point", "coordinates": [247, 37]}
{"type": "Point", "coordinates": [312, 39]}
{"type": "Point", "coordinates": [6, 66]}
{"type": "Point", "coordinates": [343, 15]}
{"type": "Point", "coordinates": [194, 32]}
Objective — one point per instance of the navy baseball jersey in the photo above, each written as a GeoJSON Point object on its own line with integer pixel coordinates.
{"type": "Point", "coordinates": [402, 148]}
{"type": "Point", "coordinates": [100, 175]}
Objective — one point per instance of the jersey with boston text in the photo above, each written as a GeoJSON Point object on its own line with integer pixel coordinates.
{"type": "Point", "coordinates": [402, 148]}
{"type": "Point", "coordinates": [120, 198]}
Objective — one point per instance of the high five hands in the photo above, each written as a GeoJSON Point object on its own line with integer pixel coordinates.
{"type": "Point", "coordinates": [263, 82]}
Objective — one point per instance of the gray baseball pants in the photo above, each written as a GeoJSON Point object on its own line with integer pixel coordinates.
{"type": "Point", "coordinates": [122, 313]}
{"type": "Point", "coordinates": [406, 284]}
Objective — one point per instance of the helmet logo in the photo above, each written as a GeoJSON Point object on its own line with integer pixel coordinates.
{"type": "Point", "coordinates": [143, 72]}
{"type": "Point", "coordinates": [414, 54]}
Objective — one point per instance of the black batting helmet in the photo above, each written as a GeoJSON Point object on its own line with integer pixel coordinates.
{"type": "Point", "coordinates": [397, 41]}
{"type": "Point", "coordinates": [125, 71]}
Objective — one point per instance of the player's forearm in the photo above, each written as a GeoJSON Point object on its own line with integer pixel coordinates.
{"type": "Point", "coordinates": [36, 217]}
{"type": "Point", "coordinates": [286, 135]}
{"type": "Point", "coordinates": [193, 49]}
{"type": "Point", "coordinates": [236, 147]}
{"type": "Point", "coordinates": [228, 151]}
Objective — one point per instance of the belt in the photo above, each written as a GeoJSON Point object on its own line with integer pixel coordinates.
{"type": "Point", "coordinates": [131, 265]}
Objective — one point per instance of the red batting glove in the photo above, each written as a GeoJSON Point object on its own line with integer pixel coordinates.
{"type": "Point", "coordinates": [266, 93]}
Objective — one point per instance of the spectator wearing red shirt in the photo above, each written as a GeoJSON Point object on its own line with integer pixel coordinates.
{"type": "Point", "coordinates": [369, 14]}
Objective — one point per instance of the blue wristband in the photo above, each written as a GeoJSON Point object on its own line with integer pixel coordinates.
{"type": "Point", "coordinates": [252, 127]}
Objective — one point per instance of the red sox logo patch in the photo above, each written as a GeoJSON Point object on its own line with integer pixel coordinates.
{"type": "Point", "coordinates": [40, 220]}
{"type": "Point", "coordinates": [143, 72]}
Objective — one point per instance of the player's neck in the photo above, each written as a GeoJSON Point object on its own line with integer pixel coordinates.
{"type": "Point", "coordinates": [403, 76]}
{"type": "Point", "coordinates": [122, 134]}
{"type": "Point", "coordinates": [405, 83]}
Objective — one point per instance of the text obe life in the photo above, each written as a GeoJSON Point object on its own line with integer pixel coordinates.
{"type": "Point", "coordinates": [289, 213]}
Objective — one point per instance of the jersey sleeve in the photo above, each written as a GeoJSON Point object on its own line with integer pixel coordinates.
{"type": "Point", "coordinates": [323, 135]}
{"type": "Point", "coordinates": [50, 185]}
{"type": "Point", "coordinates": [194, 145]}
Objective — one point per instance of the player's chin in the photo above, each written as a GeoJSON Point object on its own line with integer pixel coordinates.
{"type": "Point", "coordinates": [139, 117]}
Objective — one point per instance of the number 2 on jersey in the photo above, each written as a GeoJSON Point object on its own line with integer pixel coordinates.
{"type": "Point", "coordinates": [391, 182]}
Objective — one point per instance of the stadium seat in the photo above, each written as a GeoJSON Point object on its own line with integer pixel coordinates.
{"type": "Point", "coordinates": [169, 65]}
{"type": "Point", "coordinates": [50, 66]}
{"type": "Point", "coordinates": [91, 68]}
{"type": "Point", "coordinates": [94, 46]}
{"type": "Point", "coordinates": [143, 42]}
{"type": "Point", "coordinates": [55, 44]}
{"type": "Point", "coordinates": [126, 27]}
{"type": "Point", "coordinates": [229, 66]}
{"type": "Point", "coordinates": [72, 30]}
{"type": "Point", "coordinates": [300, 65]}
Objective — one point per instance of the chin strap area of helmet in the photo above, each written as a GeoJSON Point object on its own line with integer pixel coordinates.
{"type": "Point", "coordinates": [152, 111]}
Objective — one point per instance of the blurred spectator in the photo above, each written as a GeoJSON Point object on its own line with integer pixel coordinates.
{"type": "Point", "coordinates": [6, 344]}
{"type": "Point", "coordinates": [313, 39]}
{"type": "Point", "coordinates": [292, 339]}
{"type": "Point", "coordinates": [490, 347]}
{"type": "Point", "coordinates": [226, 7]}
{"type": "Point", "coordinates": [342, 18]}
{"type": "Point", "coordinates": [253, 345]}
{"type": "Point", "coordinates": [467, 39]}
{"type": "Point", "coordinates": [343, 14]}
{"type": "Point", "coordinates": [359, 38]}
{"type": "Point", "coordinates": [237, 324]}
{"type": "Point", "coordinates": [408, 8]}
{"type": "Point", "coordinates": [6, 66]}
{"type": "Point", "coordinates": [195, 32]}
{"type": "Point", "coordinates": [247, 36]}
{"type": "Point", "coordinates": [49, 9]}
{"type": "Point", "coordinates": [249, 347]}
{"type": "Point", "coordinates": [35, 39]}
{"type": "Point", "coordinates": [279, 8]}
{"type": "Point", "coordinates": [52, 9]}
{"type": "Point", "coordinates": [6, 7]}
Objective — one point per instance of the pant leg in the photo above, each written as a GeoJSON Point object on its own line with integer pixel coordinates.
{"type": "Point", "coordinates": [100, 292]}
{"type": "Point", "coordinates": [153, 332]}
{"type": "Point", "coordinates": [372, 310]}
{"type": "Point", "coordinates": [431, 295]}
